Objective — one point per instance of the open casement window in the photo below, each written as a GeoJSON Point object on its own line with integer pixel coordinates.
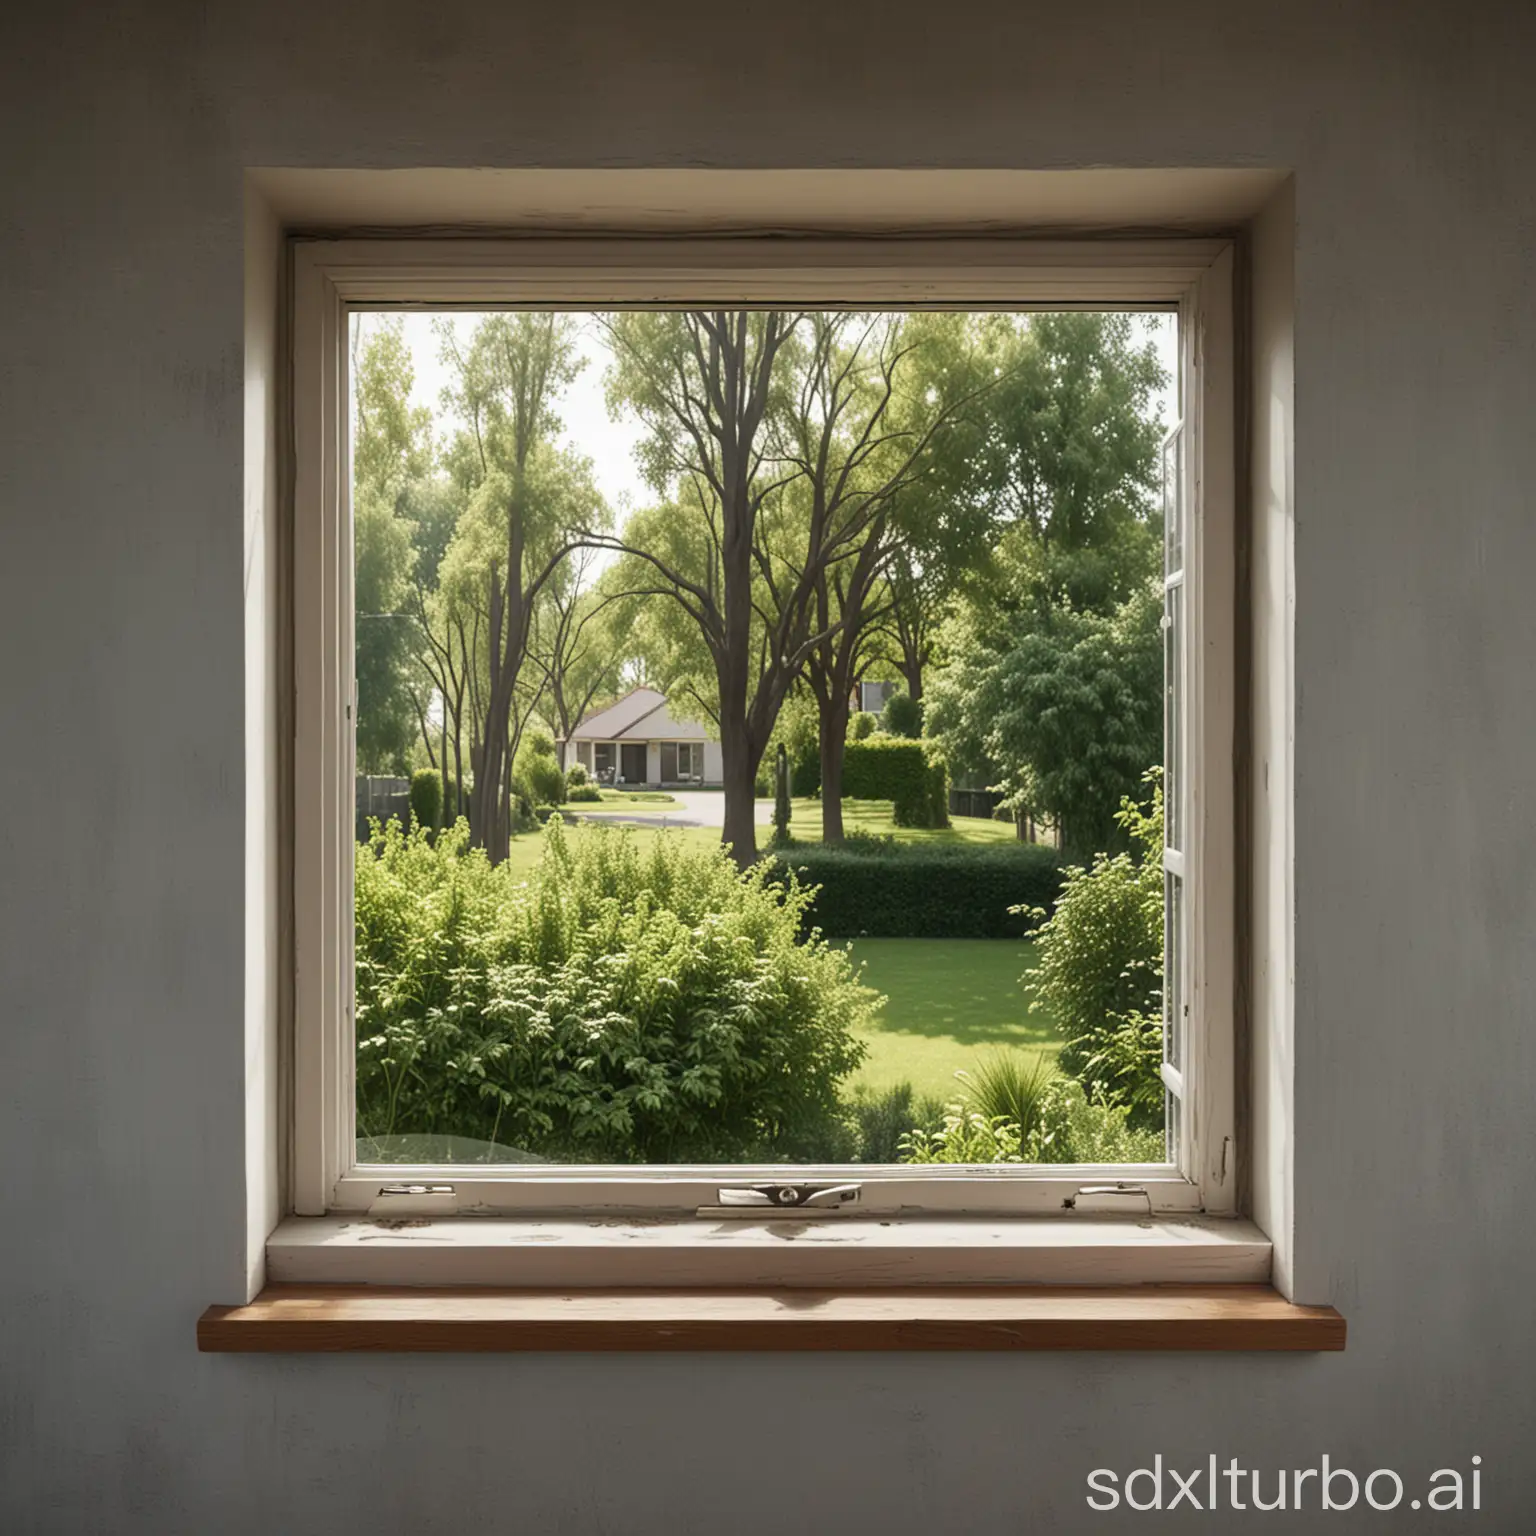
{"type": "Point", "coordinates": [1192, 278]}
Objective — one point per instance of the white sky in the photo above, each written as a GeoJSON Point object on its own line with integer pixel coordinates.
{"type": "Point", "coordinates": [611, 444]}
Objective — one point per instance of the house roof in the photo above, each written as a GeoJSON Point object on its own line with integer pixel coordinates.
{"type": "Point", "coordinates": [641, 715]}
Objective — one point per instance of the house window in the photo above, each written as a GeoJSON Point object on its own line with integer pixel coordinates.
{"type": "Point", "coordinates": [480, 657]}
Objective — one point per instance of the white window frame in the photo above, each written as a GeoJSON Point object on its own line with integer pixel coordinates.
{"type": "Point", "coordinates": [330, 279]}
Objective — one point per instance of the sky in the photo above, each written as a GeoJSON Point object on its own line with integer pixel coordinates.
{"type": "Point", "coordinates": [588, 428]}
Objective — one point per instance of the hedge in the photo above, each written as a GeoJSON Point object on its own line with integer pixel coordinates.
{"type": "Point", "coordinates": [908, 773]}
{"type": "Point", "coordinates": [890, 890]}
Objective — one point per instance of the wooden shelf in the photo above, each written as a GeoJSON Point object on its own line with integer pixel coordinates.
{"type": "Point", "coordinates": [334, 1319]}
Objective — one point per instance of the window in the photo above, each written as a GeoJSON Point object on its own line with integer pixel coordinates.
{"type": "Point", "coordinates": [336, 1168]}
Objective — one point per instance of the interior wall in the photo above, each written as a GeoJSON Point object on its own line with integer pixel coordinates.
{"type": "Point", "coordinates": [1272, 598]}
{"type": "Point", "coordinates": [124, 907]}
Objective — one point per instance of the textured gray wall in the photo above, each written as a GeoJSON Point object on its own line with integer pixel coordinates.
{"type": "Point", "coordinates": [1412, 130]}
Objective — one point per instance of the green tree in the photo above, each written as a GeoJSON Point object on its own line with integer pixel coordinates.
{"type": "Point", "coordinates": [782, 444]}
{"type": "Point", "coordinates": [392, 453]}
{"type": "Point", "coordinates": [1054, 694]}
{"type": "Point", "coordinates": [526, 499]}
{"type": "Point", "coordinates": [703, 383]}
{"type": "Point", "coordinates": [574, 644]}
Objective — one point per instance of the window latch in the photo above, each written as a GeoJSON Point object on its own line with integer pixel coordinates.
{"type": "Point", "coordinates": [754, 1199]}
{"type": "Point", "coordinates": [1106, 1197]}
{"type": "Point", "coordinates": [414, 1200]}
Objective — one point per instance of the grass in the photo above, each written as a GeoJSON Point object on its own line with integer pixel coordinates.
{"type": "Point", "coordinates": [631, 798]}
{"type": "Point", "coordinates": [950, 1003]}
{"type": "Point", "coordinates": [874, 818]}
{"type": "Point", "coordinates": [528, 847]}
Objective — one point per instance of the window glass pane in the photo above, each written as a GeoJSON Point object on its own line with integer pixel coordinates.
{"type": "Point", "coordinates": [1173, 998]}
{"type": "Point", "coordinates": [1173, 502]}
{"type": "Point", "coordinates": [1173, 723]}
{"type": "Point", "coordinates": [557, 546]}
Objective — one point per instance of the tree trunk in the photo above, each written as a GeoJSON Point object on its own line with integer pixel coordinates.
{"type": "Point", "coordinates": [739, 833]}
{"type": "Point", "coordinates": [833, 714]}
{"type": "Point", "coordinates": [911, 668]}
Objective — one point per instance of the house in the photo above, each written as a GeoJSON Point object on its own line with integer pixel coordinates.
{"type": "Point", "coordinates": [872, 697]}
{"type": "Point", "coordinates": [639, 741]}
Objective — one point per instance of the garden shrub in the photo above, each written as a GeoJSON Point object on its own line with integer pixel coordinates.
{"type": "Point", "coordinates": [966, 1136]}
{"type": "Point", "coordinates": [805, 769]}
{"type": "Point", "coordinates": [882, 1119]}
{"type": "Point", "coordinates": [615, 1005]}
{"type": "Point", "coordinates": [1099, 968]}
{"type": "Point", "coordinates": [902, 716]}
{"type": "Point", "coordinates": [1069, 1127]}
{"type": "Point", "coordinates": [584, 794]}
{"type": "Point", "coordinates": [910, 774]}
{"type": "Point", "coordinates": [880, 888]}
{"type": "Point", "coordinates": [1078, 1127]}
{"type": "Point", "coordinates": [577, 774]}
{"type": "Point", "coordinates": [536, 774]}
{"type": "Point", "coordinates": [426, 796]}
{"type": "Point", "coordinates": [862, 724]}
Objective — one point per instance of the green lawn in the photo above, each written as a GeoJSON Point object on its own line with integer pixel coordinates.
{"type": "Point", "coordinates": [948, 1002]}
{"type": "Point", "coordinates": [528, 846]}
{"type": "Point", "coordinates": [633, 799]}
{"type": "Point", "coordinates": [871, 816]}
{"type": "Point", "coordinates": [874, 817]}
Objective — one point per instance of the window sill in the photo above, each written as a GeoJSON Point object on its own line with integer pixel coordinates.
{"type": "Point", "coordinates": [338, 1319]}
{"type": "Point", "coordinates": [828, 1252]}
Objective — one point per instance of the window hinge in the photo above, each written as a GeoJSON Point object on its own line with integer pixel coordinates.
{"type": "Point", "coordinates": [803, 1199]}
{"type": "Point", "coordinates": [415, 1200]}
{"type": "Point", "coordinates": [1106, 1197]}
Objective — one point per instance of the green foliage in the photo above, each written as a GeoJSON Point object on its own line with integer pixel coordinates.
{"type": "Point", "coordinates": [426, 796]}
{"type": "Point", "coordinates": [879, 888]}
{"type": "Point", "coordinates": [862, 725]}
{"type": "Point", "coordinates": [966, 1136]}
{"type": "Point", "coordinates": [907, 773]}
{"type": "Point", "coordinates": [584, 794]}
{"type": "Point", "coordinates": [1099, 967]}
{"type": "Point", "coordinates": [1011, 1086]}
{"type": "Point", "coordinates": [577, 774]}
{"type": "Point", "coordinates": [902, 716]}
{"type": "Point", "coordinates": [1054, 696]}
{"type": "Point", "coordinates": [1062, 711]}
{"type": "Point", "coordinates": [799, 732]}
{"type": "Point", "coordinates": [1069, 453]}
{"type": "Point", "coordinates": [615, 1005]}
{"type": "Point", "coordinates": [1068, 1127]}
{"type": "Point", "coordinates": [882, 1118]}
{"type": "Point", "coordinates": [536, 771]}
{"type": "Point", "coordinates": [392, 451]}
{"type": "Point", "coordinates": [1076, 1127]}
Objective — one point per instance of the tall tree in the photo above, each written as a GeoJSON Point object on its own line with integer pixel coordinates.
{"type": "Point", "coordinates": [780, 444]}
{"type": "Point", "coordinates": [703, 384]}
{"type": "Point", "coordinates": [392, 453]}
{"type": "Point", "coordinates": [527, 497]}
{"type": "Point", "coordinates": [1054, 691]}
{"type": "Point", "coordinates": [574, 643]}
{"type": "Point", "coordinates": [878, 434]}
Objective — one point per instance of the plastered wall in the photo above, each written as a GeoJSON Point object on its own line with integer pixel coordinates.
{"type": "Point", "coordinates": [126, 922]}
